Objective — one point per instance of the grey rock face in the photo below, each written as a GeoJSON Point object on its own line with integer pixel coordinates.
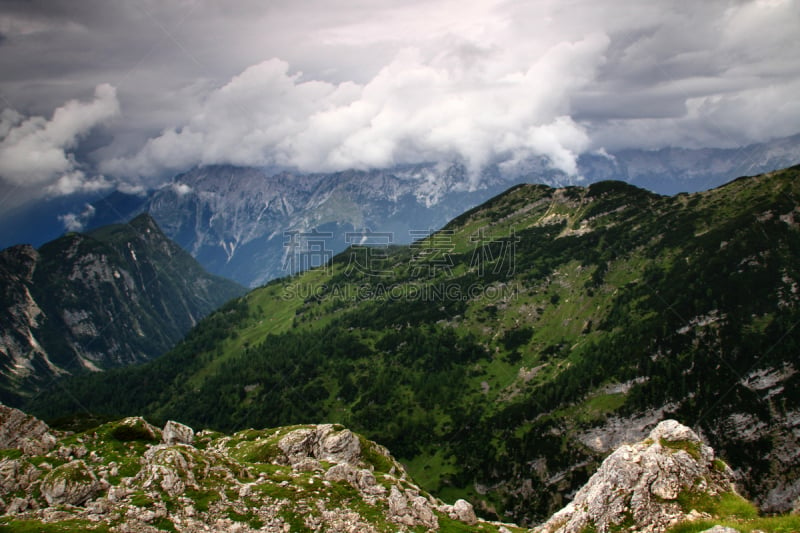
{"type": "Point", "coordinates": [462, 510]}
{"type": "Point", "coordinates": [72, 483]}
{"type": "Point", "coordinates": [88, 302]}
{"type": "Point", "coordinates": [16, 475]}
{"type": "Point", "coordinates": [323, 443]}
{"type": "Point", "coordinates": [411, 509]}
{"type": "Point", "coordinates": [641, 483]}
{"type": "Point", "coordinates": [121, 477]}
{"type": "Point", "coordinates": [18, 430]}
{"type": "Point", "coordinates": [177, 433]}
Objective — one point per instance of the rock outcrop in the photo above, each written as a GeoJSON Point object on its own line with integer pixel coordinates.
{"type": "Point", "coordinates": [29, 434]}
{"type": "Point", "coordinates": [175, 432]}
{"type": "Point", "coordinates": [71, 484]}
{"type": "Point", "coordinates": [641, 487]}
{"type": "Point", "coordinates": [132, 477]}
{"type": "Point", "coordinates": [129, 476]}
{"type": "Point", "coordinates": [324, 443]}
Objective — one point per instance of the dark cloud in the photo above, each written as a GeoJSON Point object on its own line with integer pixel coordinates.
{"type": "Point", "coordinates": [328, 84]}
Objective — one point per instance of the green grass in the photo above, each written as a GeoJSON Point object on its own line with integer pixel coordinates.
{"type": "Point", "coordinates": [593, 408]}
{"type": "Point", "coordinates": [448, 525]}
{"type": "Point", "coordinates": [428, 469]}
{"type": "Point", "coordinates": [140, 499]}
{"type": "Point", "coordinates": [134, 430]}
{"type": "Point", "coordinates": [775, 524]}
{"type": "Point", "coordinates": [65, 526]}
{"type": "Point", "coordinates": [164, 524]}
{"type": "Point", "coordinates": [10, 453]}
{"type": "Point", "coordinates": [202, 498]}
{"type": "Point", "coordinates": [371, 456]}
{"type": "Point", "coordinates": [689, 446]}
{"type": "Point", "coordinates": [727, 505]}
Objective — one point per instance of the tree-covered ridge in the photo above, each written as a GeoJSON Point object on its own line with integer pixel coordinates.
{"type": "Point", "coordinates": [497, 356]}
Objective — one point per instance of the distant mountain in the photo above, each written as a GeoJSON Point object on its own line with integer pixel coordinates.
{"type": "Point", "coordinates": [238, 222]}
{"type": "Point", "coordinates": [118, 295]}
{"type": "Point", "coordinates": [505, 356]}
{"type": "Point", "coordinates": [674, 170]}
{"type": "Point", "coordinates": [242, 223]}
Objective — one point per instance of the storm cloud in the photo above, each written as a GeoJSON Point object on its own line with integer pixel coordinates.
{"type": "Point", "coordinates": [36, 151]}
{"type": "Point", "coordinates": [327, 85]}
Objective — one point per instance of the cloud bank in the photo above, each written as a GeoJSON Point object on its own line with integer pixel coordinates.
{"type": "Point", "coordinates": [36, 151]}
{"type": "Point", "coordinates": [415, 109]}
{"type": "Point", "coordinates": [325, 85]}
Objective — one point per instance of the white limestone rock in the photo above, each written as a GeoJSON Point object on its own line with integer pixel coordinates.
{"type": "Point", "coordinates": [324, 443]}
{"type": "Point", "coordinates": [29, 434]}
{"type": "Point", "coordinates": [463, 511]}
{"type": "Point", "coordinates": [640, 483]}
{"type": "Point", "coordinates": [72, 483]}
{"type": "Point", "coordinates": [177, 433]}
{"type": "Point", "coordinates": [410, 509]}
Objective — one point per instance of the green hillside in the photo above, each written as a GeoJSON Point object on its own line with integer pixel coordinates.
{"type": "Point", "coordinates": [489, 355]}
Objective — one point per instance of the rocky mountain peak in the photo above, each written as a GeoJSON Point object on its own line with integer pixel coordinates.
{"type": "Point", "coordinates": [119, 294]}
{"type": "Point", "coordinates": [646, 486]}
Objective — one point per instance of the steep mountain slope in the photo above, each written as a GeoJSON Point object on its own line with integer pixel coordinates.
{"type": "Point", "coordinates": [234, 220]}
{"type": "Point", "coordinates": [503, 357]}
{"type": "Point", "coordinates": [119, 295]}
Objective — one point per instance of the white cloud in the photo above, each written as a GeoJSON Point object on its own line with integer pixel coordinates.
{"type": "Point", "coordinates": [418, 107]}
{"type": "Point", "coordinates": [77, 181]}
{"type": "Point", "coordinates": [381, 82]}
{"type": "Point", "coordinates": [36, 151]}
{"type": "Point", "coordinates": [181, 189]}
{"type": "Point", "coordinates": [77, 221]}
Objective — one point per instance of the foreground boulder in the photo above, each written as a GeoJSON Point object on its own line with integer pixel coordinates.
{"type": "Point", "coordinates": [645, 486]}
{"type": "Point", "coordinates": [29, 434]}
{"type": "Point", "coordinates": [129, 476]}
{"type": "Point", "coordinates": [175, 432]}
{"type": "Point", "coordinates": [72, 484]}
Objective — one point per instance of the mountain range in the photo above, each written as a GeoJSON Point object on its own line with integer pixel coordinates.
{"type": "Point", "coordinates": [118, 295]}
{"type": "Point", "coordinates": [239, 222]}
{"type": "Point", "coordinates": [504, 356]}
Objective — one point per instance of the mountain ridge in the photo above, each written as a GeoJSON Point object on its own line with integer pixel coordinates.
{"type": "Point", "coordinates": [234, 219]}
{"type": "Point", "coordinates": [502, 357]}
{"type": "Point", "coordinates": [106, 298]}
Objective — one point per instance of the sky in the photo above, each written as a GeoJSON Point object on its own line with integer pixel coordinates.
{"type": "Point", "coordinates": [99, 94]}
